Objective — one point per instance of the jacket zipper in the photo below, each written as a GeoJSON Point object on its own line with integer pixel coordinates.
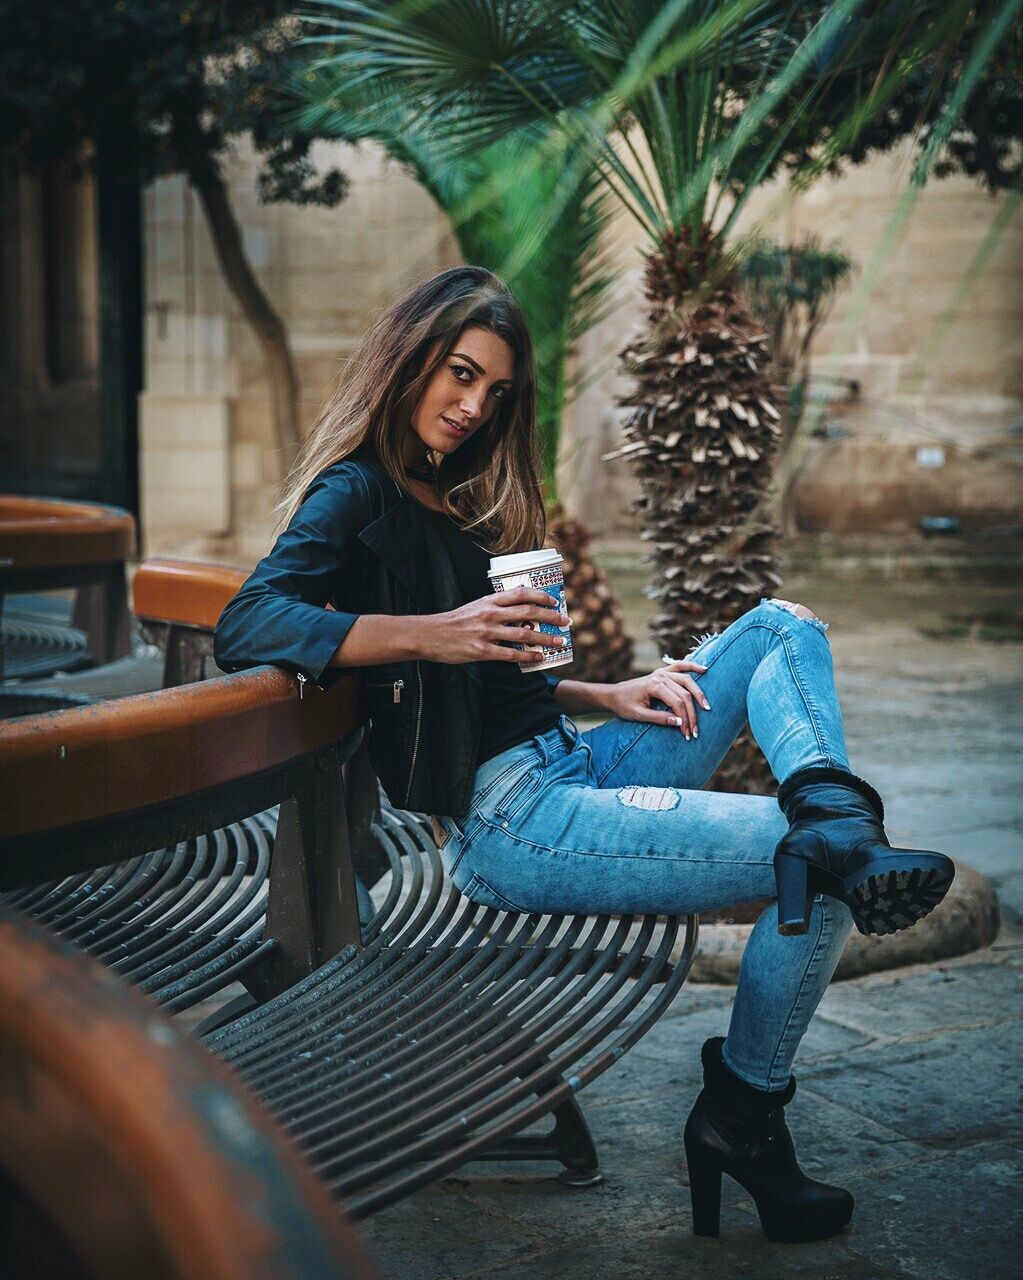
{"type": "Point", "coordinates": [303, 680]}
{"type": "Point", "coordinates": [415, 744]}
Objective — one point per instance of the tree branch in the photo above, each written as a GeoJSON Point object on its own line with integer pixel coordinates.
{"type": "Point", "coordinates": [267, 325]}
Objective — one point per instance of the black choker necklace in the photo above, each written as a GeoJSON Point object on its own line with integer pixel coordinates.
{"type": "Point", "coordinates": [421, 473]}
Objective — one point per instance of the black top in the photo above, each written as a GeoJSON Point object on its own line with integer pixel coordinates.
{"type": "Point", "coordinates": [517, 703]}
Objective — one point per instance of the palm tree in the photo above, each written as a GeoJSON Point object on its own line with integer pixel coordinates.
{"type": "Point", "coordinates": [685, 107]}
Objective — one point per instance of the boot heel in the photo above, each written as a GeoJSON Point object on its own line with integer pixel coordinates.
{"type": "Point", "coordinates": [705, 1194]}
{"type": "Point", "coordinates": [794, 897]}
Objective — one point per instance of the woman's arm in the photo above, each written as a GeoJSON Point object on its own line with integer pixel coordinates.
{"type": "Point", "coordinates": [279, 616]}
{"type": "Point", "coordinates": [580, 696]}
{"type": "Point", "coordinates": [380, 637]}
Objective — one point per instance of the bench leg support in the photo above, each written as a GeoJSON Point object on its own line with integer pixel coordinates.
{"type": "Point", "coordinates": [101, 611]}
{"type": "Point", "coordinates": [570, 1142]}
{"type": "Point", "coordinates": [225, 1014]}
{"type": "Point", "coordinates": [312, 912]}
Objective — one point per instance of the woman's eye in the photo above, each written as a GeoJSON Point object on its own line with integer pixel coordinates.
{"type": "Point", "coordinates": [498, 393]}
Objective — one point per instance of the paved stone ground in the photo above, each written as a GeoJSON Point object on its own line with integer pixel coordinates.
{"type": "Point", "coordinates": [908, 1082]}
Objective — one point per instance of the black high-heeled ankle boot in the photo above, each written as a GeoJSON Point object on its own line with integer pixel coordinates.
{"type": "Point", "coordinates": [837, 845]}
{"type": "Point", "coordinates": [741, 1131]}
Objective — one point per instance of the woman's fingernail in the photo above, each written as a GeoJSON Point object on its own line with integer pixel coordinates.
{"type": "Point", "coordinates": [696, 732]}
{"type": "Point", "coordinates": [676, 722]}
{"type": "Point", "coordinates": [706, 706]}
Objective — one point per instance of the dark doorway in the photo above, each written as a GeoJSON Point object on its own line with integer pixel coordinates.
{"type": "Point", "coordinates": [70, 326]}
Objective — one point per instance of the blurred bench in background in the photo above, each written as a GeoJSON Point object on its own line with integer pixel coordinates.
{"type": "Point", "coordinates": [45, 545]}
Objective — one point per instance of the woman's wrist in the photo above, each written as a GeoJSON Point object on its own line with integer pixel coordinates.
{"type": "Point", "coordinates": [385, 637]}
{"type": "Point", "coordinates": [581, 696]}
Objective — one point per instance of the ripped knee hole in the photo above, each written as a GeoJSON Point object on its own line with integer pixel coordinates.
{"type": "Point", "coordinates": [800, 610]}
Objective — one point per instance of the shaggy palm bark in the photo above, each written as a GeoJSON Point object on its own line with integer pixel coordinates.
{"type": "Point", "coordinates": [603, 650]}
{"type": "Point", "coordinates": [701, 438]}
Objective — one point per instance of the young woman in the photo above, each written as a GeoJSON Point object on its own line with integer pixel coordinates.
{"type": "Point", "coordinates": [423, 466]}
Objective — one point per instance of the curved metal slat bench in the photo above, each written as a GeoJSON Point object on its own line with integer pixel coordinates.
{"type": "Point", "coordinates": [455, 1026]}
{"type": "Point", "coordinates": [38, 640]}
{"type": "Point", "coordinates": [431, 1039]}
{"type": "Point", "coordinates": [182, 923]}
{"type": "Point", "coordinates": [45, 544]}
{"type": "Point", "coordinates": [127, 1151]}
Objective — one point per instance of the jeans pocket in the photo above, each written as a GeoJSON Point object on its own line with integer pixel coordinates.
{"type": "Point", "coordinates": [477, 890]}
{"type": "Point", "coordinates": [518, 795]}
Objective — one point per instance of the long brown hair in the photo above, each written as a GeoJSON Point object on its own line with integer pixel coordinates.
{"type": "Point", "coordinates": [490, 485]}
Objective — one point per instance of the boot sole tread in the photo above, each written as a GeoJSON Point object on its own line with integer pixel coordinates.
{"type": "Point", "coordinates": [891, 901]}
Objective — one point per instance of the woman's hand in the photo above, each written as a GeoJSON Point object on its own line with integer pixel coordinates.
{"type": "Point", "coordinates": [632, 699]}
{"type": "Point", "coordinates": [483, 630]}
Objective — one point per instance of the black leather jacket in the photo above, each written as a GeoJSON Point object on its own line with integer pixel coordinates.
{"type": "Point", "coordinates": [361, 545]}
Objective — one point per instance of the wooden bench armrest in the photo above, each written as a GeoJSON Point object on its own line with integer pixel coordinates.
{"type": "Point", "coordinates": [45, 533]}
{"type": "Point", "coordinates": [183, 592]}
{"type": "Point", "coordinates": [71, 767]}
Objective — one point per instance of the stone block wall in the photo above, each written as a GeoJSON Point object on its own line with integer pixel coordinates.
{"type": "Point", "coordinates": [210, 469]}
{"type": "Point", "coordinates": [961, 395]}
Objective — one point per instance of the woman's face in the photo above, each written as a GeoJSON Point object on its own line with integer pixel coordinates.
{"type": "Point", "coordinates": [463, 394]}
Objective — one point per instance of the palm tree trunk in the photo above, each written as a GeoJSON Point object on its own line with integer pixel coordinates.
{"type": "Point", "coordinates": [702, 436]}
{"type": "Point", "coordinates": [267, 325]}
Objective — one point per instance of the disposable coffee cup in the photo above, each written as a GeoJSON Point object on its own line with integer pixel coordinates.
{"type": "Point", "coordinates": [544, 571]}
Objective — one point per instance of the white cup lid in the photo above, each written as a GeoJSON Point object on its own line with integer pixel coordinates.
{"type": "Point", "coordinates": [521, 561]}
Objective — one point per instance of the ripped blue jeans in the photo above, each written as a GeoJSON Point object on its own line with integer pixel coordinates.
{"type": "Point", "coordinates": [614, 820]}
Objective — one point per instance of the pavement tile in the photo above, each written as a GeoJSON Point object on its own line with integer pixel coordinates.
{"type": "Point", "coordinates": [1010, 892]}
{"type": "Point", "coordinates": [742, 1250]}
{"type": "Point", "coordinates": [442, 1234]}
{"type": "Point", "coordinates": [952, 1216]}
{"type": "Point", "coordinates": [940, 998]}
{"type": "Point", "coordinates": [669, 1054]}
{"type": "Point", "coordinates": [831, 1138]}
{"type": "Point", "coordinates": [961, 1086]}
{"type": "Point", "coordinates": [996, 848]}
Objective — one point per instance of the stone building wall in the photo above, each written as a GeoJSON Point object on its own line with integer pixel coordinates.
{"type": "Point", "coordinates": [209, 470]}
{"type": "Point", "coordinates": [935, 435]}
